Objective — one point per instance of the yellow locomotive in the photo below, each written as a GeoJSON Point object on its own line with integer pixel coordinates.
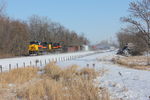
{"type": "Point", "coordinates": [36, 47]}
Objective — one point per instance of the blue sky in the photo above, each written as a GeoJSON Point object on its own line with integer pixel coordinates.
{"type": "Point", "coordinates": [98, 19]}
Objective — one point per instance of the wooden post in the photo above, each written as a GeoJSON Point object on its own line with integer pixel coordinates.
{"type": "Point", "coordinates": [70, 57]}
{"type": "Point", "coordinates": [87, 65]}
{"type": "Point", "coordinates": [17, 65]}
{"type": "Point", "coordinates": [35, 63]}
{"type": "Point", "coordinates": [9, 67]}
{"type": "Point", "coordinates": [30, 63]}
{"type": "Point", "coordinates": [24, 64]}
{"type": "Point", "coordinates": [45, 61]}
{"type": "Point", "coordinates": [93, 65]}
{"type": "Point", "coordinates": [1, 68]}
{"type": "Point", "coordinates": [56, 59]}
{"type": "Point", "coordinates": [40, 63]}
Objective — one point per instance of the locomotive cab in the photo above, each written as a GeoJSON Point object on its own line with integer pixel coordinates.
{"type": "Point", "coordinates": [33, 47]}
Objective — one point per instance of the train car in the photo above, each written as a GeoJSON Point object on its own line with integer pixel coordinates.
{"type": "Point", "coordinates": [37, 47]}
{"type": "Point", "coordinates": [57, 47]}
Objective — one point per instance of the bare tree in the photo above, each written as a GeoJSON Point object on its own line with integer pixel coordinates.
{"type": "Point", "coordinates": [15, 34]}
{"type": "Point", "coordinates": [2, 8]}
{"type": "Point", "coordinates": [43, 29]}
{"type": "Point", "coordinates": [131, 35]}
{"type": "Point", "coordinates": [140, 18]}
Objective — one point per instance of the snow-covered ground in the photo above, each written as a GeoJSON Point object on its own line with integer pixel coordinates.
{"type": "Point", "coordinates": [123, 83]}
{"type": "Point", "coordinates": [40, 61]}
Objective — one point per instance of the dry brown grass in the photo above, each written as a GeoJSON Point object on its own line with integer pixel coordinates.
{"type": "Point", "coordinates": [18, 76]}
{"type": "Point", "coordinates": [55, 83]}
{"type": "Point", "coordinates": [6, 55]}
{"type": "Point", "coordinates": [135, 62]}
{"type": "Point", "coordinates": [65, 84]}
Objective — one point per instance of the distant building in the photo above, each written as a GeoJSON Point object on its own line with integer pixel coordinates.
{"type": "Point", "coordinates": [72, 48]}
{"type": "Point", "coordinates": [85, 48]}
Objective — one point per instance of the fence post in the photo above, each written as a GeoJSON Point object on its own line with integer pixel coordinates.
{"type": "Point", "coordinates": [1, 68]}
{"type": "Point", "coordinates": [36, 63]}
{"type": "Point", "coordinates": [40, 63]}
{"type": "Point", "coordinates": [45, 61]}
{"type": "Point", "coordinates": [64, 59]}
{"type": "Point", "coordinates": [87, 65]}
{"type": "Point", "coordinates": [24, 64]}
{"type": "Point", "coordinates": [67, 58]}
{"type": "Point", "coordinates": [56, 59]}
{"type": "Point", "coordinates": [94, 66]}
{"type": "Point", "coordinates": [17, 65]}
{"type": "Point", "coordinates": [30, 63]}
{"type": "Point", "coordinates": [9, 67]}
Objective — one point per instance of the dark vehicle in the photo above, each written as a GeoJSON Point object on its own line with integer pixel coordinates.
{"type": "Point", "coordinates": [127, 50]}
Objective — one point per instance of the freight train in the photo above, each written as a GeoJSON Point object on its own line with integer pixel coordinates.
{"type": "Point", "coordinates": [37, 47]}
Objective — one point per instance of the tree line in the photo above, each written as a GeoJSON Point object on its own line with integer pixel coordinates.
{"type": "Point", "coordinates": [138, 27]}
{"type": "Point", "coordinates": [15, 35]}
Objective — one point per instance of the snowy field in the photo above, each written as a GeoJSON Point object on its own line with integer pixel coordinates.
{"type": "Point", "coordinates": [40, 61]}
{"type": "Point", "coordinates": [123, 83]}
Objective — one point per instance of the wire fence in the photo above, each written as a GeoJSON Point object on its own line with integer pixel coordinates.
{"type": "Point", "coordinates": [42, 62]}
